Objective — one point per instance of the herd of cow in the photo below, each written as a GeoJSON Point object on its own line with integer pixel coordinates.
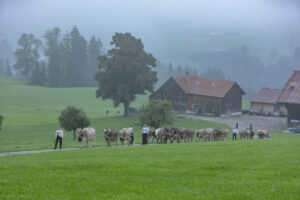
{"type": "Point", "coordinates": [171, 134]}
{"type": "Point", "coordinates": [163, 135]}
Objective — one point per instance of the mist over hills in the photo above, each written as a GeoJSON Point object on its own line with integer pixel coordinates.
{"type": "Point", "coordinates": [201, 34]}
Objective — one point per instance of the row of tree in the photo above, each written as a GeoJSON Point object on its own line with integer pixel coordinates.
{"type": "Point", "coordinates": [5, 67]}
{"type": "Point", "coordinates": [249, 70]}
{"type": "Point", "coordinates": [71, 59]}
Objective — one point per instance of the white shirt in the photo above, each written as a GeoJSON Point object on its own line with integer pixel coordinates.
{"type": "Point", "coordinates": [59, 133]}
{"type": "Point", "coordinates": [130, 129]}
{"type": "Point", "coordinates": [145, 130]}
{"type": "Point", "coordinates": [235, 131]}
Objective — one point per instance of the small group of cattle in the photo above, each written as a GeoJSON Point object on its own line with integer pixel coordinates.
{"type": "Point", "coordinates": [162, 135]}
{"type": "Point", "coordinates": [246, 134]}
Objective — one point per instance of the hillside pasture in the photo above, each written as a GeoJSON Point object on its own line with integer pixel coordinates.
{"type": "Point", "coordinates": [31, 115]}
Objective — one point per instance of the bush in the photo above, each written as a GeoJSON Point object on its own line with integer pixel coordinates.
{"type": "Point", "coordinates": [216, 112]}
{"type": "Point", "coordinates": [72, 118]}
{"type": "Point", "coordinates": [156, 113]}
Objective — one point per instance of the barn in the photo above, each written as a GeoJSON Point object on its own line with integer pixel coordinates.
{"type": "Point", "coordinates": [266, 101]}
{"type": "Point", "coordinates": [195, 94]}
{"type": "Point", "coordinates": [290, 97]}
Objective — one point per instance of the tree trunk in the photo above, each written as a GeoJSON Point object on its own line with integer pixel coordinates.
{"type": "Point", "coordinates": [126, 105]}
{"type": "Point", "coordinates": [74, 134]}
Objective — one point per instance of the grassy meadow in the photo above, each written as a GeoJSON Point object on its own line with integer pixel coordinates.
{"type": "Point", "coordinates": [258, 169]}
{"type": "Point", "coordinates": [31, 115]}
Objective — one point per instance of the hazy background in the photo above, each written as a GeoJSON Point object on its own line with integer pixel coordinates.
{"type": "Point", "coordinates": [181, 32]}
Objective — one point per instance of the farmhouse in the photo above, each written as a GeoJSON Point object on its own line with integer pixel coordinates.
{"type": "Point", "coordinates": [266, 101]}
{"type": "Point", "coordinates": [194, 94]}
{"type": "Point", "coordinates": [290, 97]}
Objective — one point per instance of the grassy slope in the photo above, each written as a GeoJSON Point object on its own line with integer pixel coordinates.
{"type": "Point", "coordinates": [260, 169]}
{"type": "Point", "coordinates": [246, 104]}
{"type": "Point", "coordinates": [31, 115]}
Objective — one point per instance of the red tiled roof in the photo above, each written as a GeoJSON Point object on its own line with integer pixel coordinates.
{"type": "Point", "coordinates": [267, 95]}
{"type": "Point", "coordinates": [204, 87]}
{"type": "Point", "coordinates": [291, 91]}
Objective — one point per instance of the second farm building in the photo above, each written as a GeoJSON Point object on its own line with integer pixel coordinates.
{"type": "Point", "coordinates": [197, 95]}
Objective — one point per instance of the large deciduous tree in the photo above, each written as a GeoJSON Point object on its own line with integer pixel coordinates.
{"type": "Point", "coordinates": [28, 55]}
{"type": "Point", "coordinates": [156, 113]}
{"type": "Point", "coordinates": [125, 71]}
{"type": "Point", "coordinates": [72, 118]}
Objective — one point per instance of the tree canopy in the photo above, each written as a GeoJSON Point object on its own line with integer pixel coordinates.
{"type": "Point", "coordinates": [72, 118]}
{"type": "Point", "coordinates": [125, 71]}
{"type": "Point", "coordinates": [28, 55]}
{"type": "Point", "coordinates": [156, 113]}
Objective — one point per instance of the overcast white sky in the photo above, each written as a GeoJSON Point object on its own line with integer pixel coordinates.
{"type": "Point", "coordinates": [154, 21]}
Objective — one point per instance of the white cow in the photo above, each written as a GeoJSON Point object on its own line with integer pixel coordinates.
{"type": "Point", "coordinates": [125, 135]}
{"type": "Point", "coordinates": [88, 134]}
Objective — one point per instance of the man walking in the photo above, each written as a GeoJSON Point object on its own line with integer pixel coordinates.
{"type": "Point", "coordinates": [131, 134]}
{"type": "Point", "coordinates": [234, 133]}
{"type": "Point", "coordinates": [237, 125]}
{"type": "Point", "coordinates": [59, 134]}
{"type": "Point", "coordinates": [145, 132]}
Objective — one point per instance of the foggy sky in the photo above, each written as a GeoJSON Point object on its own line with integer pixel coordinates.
{"type": "Point", "coordinates": [160, 24]}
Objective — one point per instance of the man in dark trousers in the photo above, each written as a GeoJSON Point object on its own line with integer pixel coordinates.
{"type": "Point", "coordinates": [234, 133]}
{"type": "Point", "coordinates": [59, 134]}
{"type": "Point", "coordinates": [251, 131]}
{"type": "Point", "coordinates": [237, 125]}
{"type": "Point", "coordinates": [131, 134]}
{"type": "Point", "coordinates": [145, 132]}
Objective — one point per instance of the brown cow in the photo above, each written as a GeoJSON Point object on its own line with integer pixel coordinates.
{"type": "Point", "coordinates": [190, 134]}
{"type": "Point", "coordinates": [200, 134]}
{"type": "Point", "coordinates": [220, 134]}
{"type": "Point", "coordinates": [111, 135]}
{"type": "Point", "coordinates": [244, 134]}
{"type": "Point", "coordinates": [263, 134]}
{"type": "Point", "coordinates": [151, 134]}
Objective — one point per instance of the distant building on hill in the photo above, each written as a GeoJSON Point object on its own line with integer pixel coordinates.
{"type": "Point", "coordinates": [266, 101]}
{"type": "Point", "coordinates": [194, 94]}
{"type": "Point", "coordinates": [290, 97]}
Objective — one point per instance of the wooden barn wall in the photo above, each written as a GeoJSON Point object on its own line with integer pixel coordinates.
{"type": "Point", "coordinates": [262, 107]}
{"type": "Point", "coordinates": [210, 103]}
{"type": "Point", "coordinates": [171, 91]}
{"type": "Point", "coordinates": [232, 102]}
{"type": "Point", "coordinates": [293, 112]}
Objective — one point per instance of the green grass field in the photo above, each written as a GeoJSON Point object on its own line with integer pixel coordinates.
{"type": "Point", "coordinates": [246, 104]}
{"type": "Point", "coordinates": [31, 115]}
{"type": "Point", "coordinates": [258, 169]}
